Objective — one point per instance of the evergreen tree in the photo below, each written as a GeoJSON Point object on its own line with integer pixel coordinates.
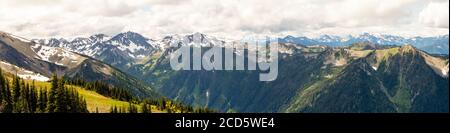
{"type": "Point", "coordinates": [164, 104]}
{"type": "Point", "coordinates": [71, 98]}
{"type": "Point", "coordinates": [22, 106]}
{"type": "Point", "coordinates": [16, 88]}
{"type": "Point", "coordinates": [83, 108]}
{"type": "Point", "coordinates": [111, 109]}
{"type": "Point", "coordinates": [146, 108]}
{"type": "Point", "coordinates": [60, 97]}
{"type": "Point", "coordinates": [6, 104]}
{"type": "Point", "coordinates": [42, 102]}
{"type": "Point", "coordinates": [33, 98]}
{"type": "Point", "coordinates": [3, 92]}
{"type": "Point", "coordinates": [115, 109]}
{"type": "Point", "coordinates": [2, 86]}
{"type": "Point", "coordinates": [24, 90]}
{"type": "Point", "coordinates": [132, 108]}
{"type": "Point", "coordinates": [51, 103]}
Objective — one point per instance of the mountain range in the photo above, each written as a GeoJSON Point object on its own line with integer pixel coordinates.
{"type": "Point", "coordinates": [432, 45]}
{"type": "Point", "coordinates": [31, 60]}
{"type": "Point", "coordinates": [329, 74]}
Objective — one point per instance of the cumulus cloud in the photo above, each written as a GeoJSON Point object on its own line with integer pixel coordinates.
{"type": "Point", "coordinates": [435, 14]}
{"type": "Point", "coordinates": [227, 18]}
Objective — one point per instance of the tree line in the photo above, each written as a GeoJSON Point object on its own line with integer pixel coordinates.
{"type": "Point", "coordinates": [105, 89]}
{"type": "Point", "coordinates": [121, 94]}
{"type": "Point", "coordinates": [18, 96]}
{"type": "Point", "coordinates": [161, 104]}
{"type": "Point", "coordinates": [171, 106]}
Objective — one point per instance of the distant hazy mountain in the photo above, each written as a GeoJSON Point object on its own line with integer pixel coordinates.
{"type": "Point", "coordinates": [433, 45]}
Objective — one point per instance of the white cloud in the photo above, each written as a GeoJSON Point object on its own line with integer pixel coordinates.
{"type": "Point", "coordinates": [435, 15]}
{"type": "Point", "coordinates": [228, 18]}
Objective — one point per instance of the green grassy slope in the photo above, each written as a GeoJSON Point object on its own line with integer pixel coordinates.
{"type": "Point", "coordinates": [94, 100]}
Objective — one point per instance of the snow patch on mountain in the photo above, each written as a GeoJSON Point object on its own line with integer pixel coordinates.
{"type": "Point", "coordinates": [58, 56]}
{"type": "Point", "coordinates": [33, 76]}
{"type": "Point", "coordinates": [45, 52]}
{"type": "Point", "coordinates": [374, 68]}
{"type": "Point", "coordinates": [22, 73]}
{"type": "Point", "coordinates": [132, 47]}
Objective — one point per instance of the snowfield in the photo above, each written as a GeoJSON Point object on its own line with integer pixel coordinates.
{"type": "Point", "coordinates": [22, 73]}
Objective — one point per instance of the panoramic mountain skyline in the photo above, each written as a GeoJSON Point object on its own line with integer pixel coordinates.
{"type": "Point", "coordinates": [226, 18]}
{"type": "Point", "coordinates": [131, 46]}
{"type": "Point", "coordinates": [224, 65]}
{"type": "Point", "coordinates": [312, 78]}
{"type": "Point", "coordinates": [85, 45]}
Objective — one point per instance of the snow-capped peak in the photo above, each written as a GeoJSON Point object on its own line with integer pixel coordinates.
{"type": "Point", "coordinates": [99, 38]}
